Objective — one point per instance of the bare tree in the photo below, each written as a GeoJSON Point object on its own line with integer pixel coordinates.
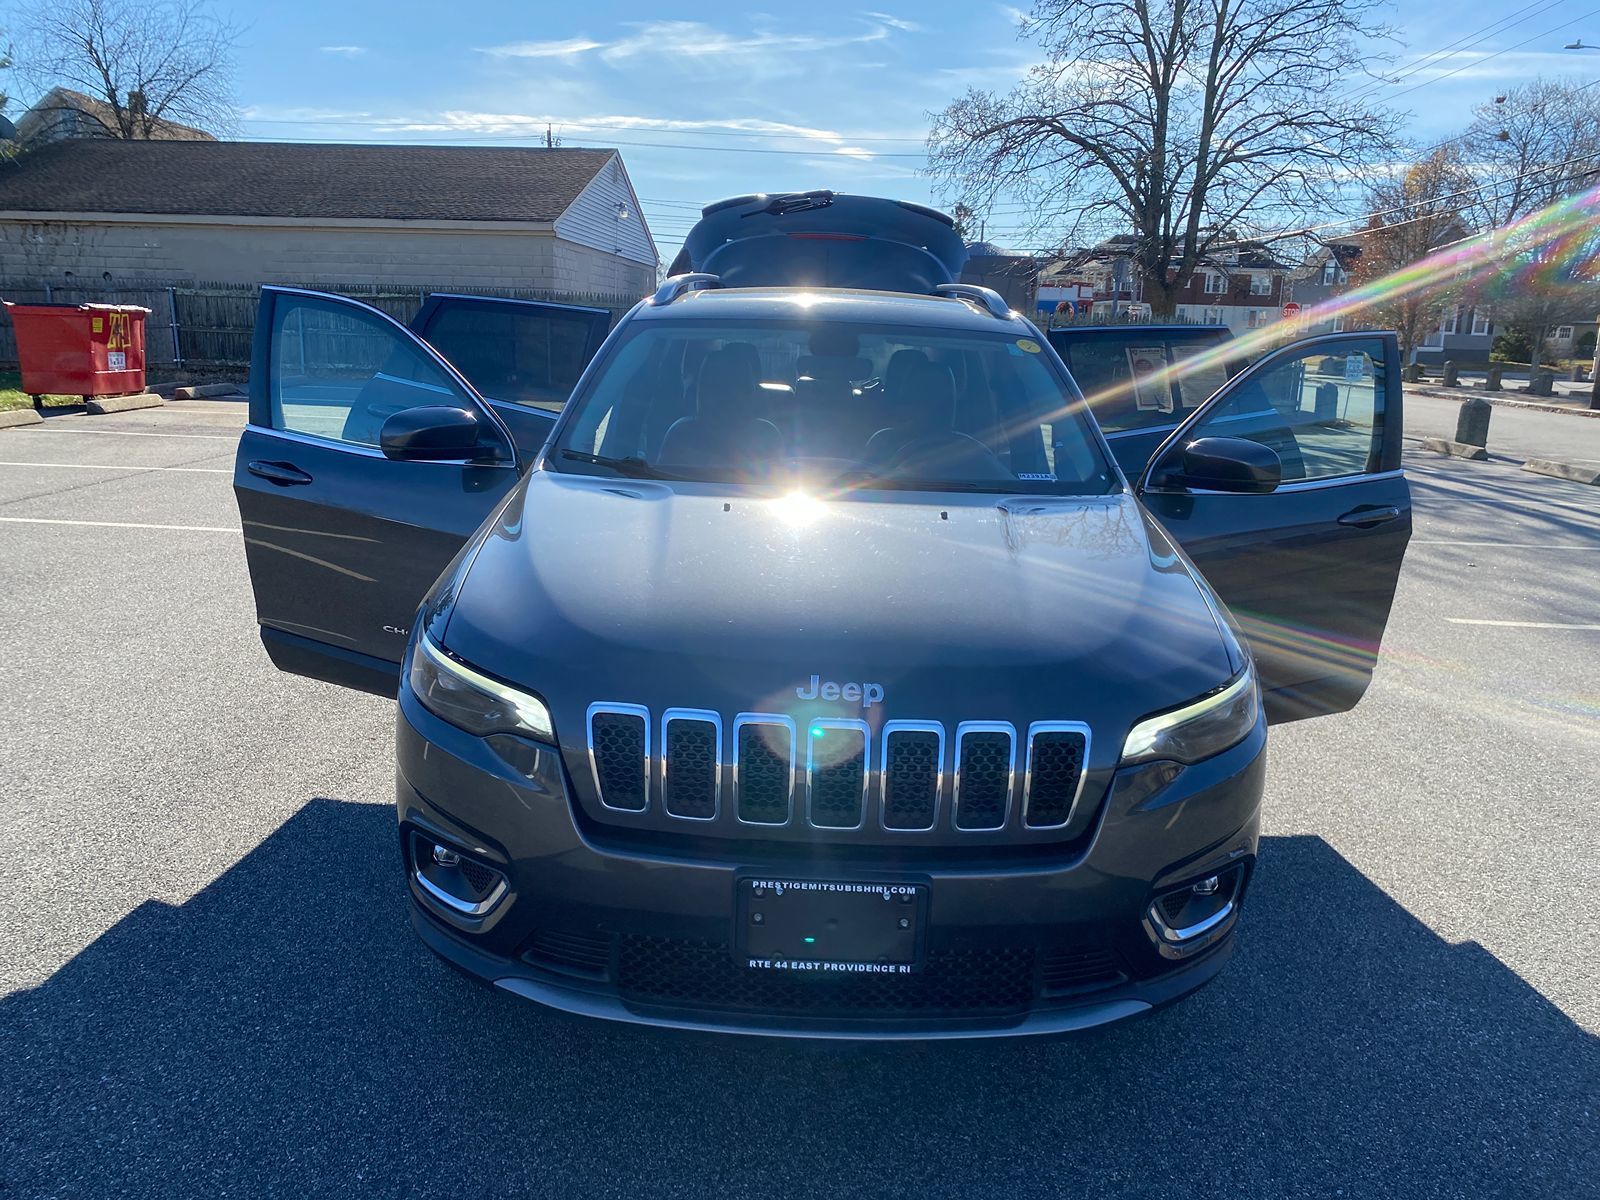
{"type": "Point", "coordinates": [148, 60]}
{"type": "Point", "coordinates": [1534, 145]}
{"type": "Point", "coordinates": [1180, 120]}
{"type": "Point", "coordinates": [1416, 214]}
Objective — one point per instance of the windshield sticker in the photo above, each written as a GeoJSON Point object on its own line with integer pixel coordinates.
{"type": "Point", "coordinates": [1037, 476]}
{"type": "Point", "coordinates": [1027, 345]}
{"type": "Point", "coordinates": [1151, 393]}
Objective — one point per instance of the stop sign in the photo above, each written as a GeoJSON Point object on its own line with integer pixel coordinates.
{"type": "Point", "coordinates": [1291, 309]}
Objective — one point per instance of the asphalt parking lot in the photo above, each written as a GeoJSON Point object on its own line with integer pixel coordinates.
{"type": "Point", "coordinates": [208, 984]}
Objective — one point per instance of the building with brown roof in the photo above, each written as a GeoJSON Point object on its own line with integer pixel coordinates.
{"type": "Point", "coordinates": [102, 211]}
{"type": "Point", "coordinates": [64, 113]}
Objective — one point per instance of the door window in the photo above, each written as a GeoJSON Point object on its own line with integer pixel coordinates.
{"type": "Point", "coordinates": [1320, 409]}
{"type": "Point", "coordinates": [340, 372]}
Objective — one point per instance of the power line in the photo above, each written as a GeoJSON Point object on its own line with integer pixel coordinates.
{"type": "Point", "coordinates": [1487, 57]}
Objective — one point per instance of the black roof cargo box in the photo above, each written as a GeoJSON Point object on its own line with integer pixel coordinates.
{"type": "Point", "coordinates": [824, 239]}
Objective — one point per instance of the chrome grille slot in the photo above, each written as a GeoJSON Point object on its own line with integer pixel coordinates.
{"type": "Point", "coordinates": [763, 768]}
{"type": "Point", "coordinates": [913, 762]}
{"type": "Point", "coordinates": [691, 764]}
{"type": "Point", "coordinates": [838, 764]}
{"type": "Point", "coordinates": [986, 754]}
{"type": "Point", "coordinates": [619, 755]}
{"type": "Point", "coordinates": [1058, 752]}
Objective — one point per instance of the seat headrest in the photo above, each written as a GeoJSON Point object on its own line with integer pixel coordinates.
{"type": "Point", "coordinates": [901, 365]}
{"type": "Point", "coordinates": [727, 384]}
{"type": "Point", "coordinates": [930, 396]}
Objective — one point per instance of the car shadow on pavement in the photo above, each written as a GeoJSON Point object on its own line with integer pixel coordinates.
{"type": "Point", "coordinates": [283, 1032]}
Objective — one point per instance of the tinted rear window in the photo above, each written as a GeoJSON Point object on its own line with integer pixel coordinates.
{"type": "Point", "coordinates": [1117, 370]}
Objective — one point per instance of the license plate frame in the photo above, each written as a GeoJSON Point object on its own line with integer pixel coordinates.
{"type": "Point", "coordinates": [857, 927]}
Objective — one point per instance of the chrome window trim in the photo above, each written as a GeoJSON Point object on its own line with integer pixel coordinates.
{"type": "Point", "coordinates": [1038, 727]}
{"type": "Point", "coordinates": [1294, 485]}
{"type": "Point", "coordinates": [883, 775]}
{"type": "Point", "coordinates": [866, 767]}
{"type": "Point", "coordinates": [758, 718]}
{"type": "Point", "coordinates": [456, 905]}
{"type": "Point", "coordinates": [631, 710]}
{"type": "Point", "coordinates": [692, 714]}
{"type": "Point", "coordinates": [964, 728]}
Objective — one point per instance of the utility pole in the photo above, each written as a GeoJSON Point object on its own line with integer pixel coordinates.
{"type": "Point", "coordinates": [549, 139]}
{"type": "Point", "coordinates": [1594, 372]}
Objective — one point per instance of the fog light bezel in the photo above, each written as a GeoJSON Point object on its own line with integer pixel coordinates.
{"type": "Point", "coordinates": [423, 846]}
{"type": "Point", "coordinates": [1184, 941]}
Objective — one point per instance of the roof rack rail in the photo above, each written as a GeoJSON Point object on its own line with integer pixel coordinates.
{"type": "Point", "coordinates": [988, 298]}
{"type": "Point", "coordinates": [682, 285]}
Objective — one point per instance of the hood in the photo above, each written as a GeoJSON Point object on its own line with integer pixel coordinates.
{"type": "Point", "coordinates": [705, 596]}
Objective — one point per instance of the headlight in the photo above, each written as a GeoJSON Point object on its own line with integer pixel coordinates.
{"type": "Point", "coordinates": [1200, 729]}
{"type": "Point", "coordinates": [472, 701]}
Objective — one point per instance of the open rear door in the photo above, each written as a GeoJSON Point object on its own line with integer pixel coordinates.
{"type": "Point", "coordinates": [523, 356]}
{"type": "Point", "coordinates": [1309, 569]}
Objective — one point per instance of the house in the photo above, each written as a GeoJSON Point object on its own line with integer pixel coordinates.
{"type": "Point", "coordinates": [107, 213]}
{"type": "Point", "coordinates": [64, 113]}
{"type": "Point", "coordinates": [1240, 285]}
{"type": "Point", "coordinates": [1465, 333]}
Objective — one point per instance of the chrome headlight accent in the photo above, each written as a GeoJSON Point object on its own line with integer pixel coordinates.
{"type": "Point", "coordinates": [1200, 729]}
{"type": "Point", "coordinates": [470, 700]}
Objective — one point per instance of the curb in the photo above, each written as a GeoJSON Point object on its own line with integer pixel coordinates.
{"type": "Point", "coordinates": [21, 416]}
{"type": "Point", "coordinates": [1561, 470]}
{"type": "Point", "coordinates": [1499, 400]}
{"type": "Point", "coordinates": [1455, 449]}
{"type": "Point", "coordinates": [205, 391]}
{"type": "Point", "coordinates": [101, 405]}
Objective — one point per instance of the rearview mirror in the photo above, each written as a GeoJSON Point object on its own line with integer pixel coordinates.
{"type": "Point", "coordinates": [1224, 464]}
{"type": "Point", "coordinates": [434, 433]}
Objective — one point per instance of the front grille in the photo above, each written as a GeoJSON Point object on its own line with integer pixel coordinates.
{"type": "Point", "coordinates": [619, 743]}
{"type": "Point", "coordinates": [836, 773]}
{"type": "Point", "coordinates": [828, 774]}
{"type": "Point", "coordinates": [691, 777]}
{"type": "Point", "coordinates": [764, 770]}
{"type": "Point", "coordinates": [985, 761]}
{"type": "Point", "coordinates": [987, 981]}
{"type": "Point", "coordinates": [1056, 754]}
{"type": "Point", "coordinates": [912, 760]}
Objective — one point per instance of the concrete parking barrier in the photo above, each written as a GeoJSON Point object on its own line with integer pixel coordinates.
{"type": "Point", "coordinates": [1455, 449]}
{"type": "Point", "coordinates": [1451, 376]}
{"type": "Point", "coordinates": [101, 405]}
{"type": "Point", "coordinates": [1472, 424]}
{"type": "Point", "coordinates": [1491, 381]}
{"type": "Point", "coordinates": [19, 416]}
{"type": "Point", "coordinates": [1561, 470]}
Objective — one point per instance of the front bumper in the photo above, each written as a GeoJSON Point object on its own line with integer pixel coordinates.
{"type": "Point", "coordinates": [1014, 946]}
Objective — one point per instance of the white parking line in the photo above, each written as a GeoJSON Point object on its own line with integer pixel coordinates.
{"type": "Point", "coordinates": [103, 467]}
{"type": "Point", "coordinates": [28, 431]}
{"type": "Point", "coordinates": [1521, 624]}
{"type": "Point", "coordinates": [1511, 545]}
{"type": "Point", "coordinates": [118, 524]}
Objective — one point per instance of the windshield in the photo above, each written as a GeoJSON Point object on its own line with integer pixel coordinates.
{"type": "Point", "coordinates": [842, 404]}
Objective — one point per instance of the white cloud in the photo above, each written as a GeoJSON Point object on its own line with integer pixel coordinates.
{"type": "Point", "coordinates": [680, 40]}
{"type": "Point", "coordinates": [345, 51]}
{"type": "Point", "coordinates": [1013, 14]}
{"type": "Point", "coordinates": [900, 23]}
{"type": "Point", "coordinates": [568, 48]}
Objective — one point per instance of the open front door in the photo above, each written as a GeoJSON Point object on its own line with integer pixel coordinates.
{"type": "Point", "coordinates": [367, 463]}
{"type": "Point", "coordinates": [523, 356]}
{"type": "Point", "coordinates": [1309, 568]}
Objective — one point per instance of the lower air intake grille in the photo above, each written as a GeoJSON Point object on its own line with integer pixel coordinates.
{"type": "Point", "coordinates": [984, 761]}
{"type": "Point", "coordinates": [570, 953]}
{"type": "Point", "coordinates": [1067, 972]}
{"type": "Point", "coordinates": [692, 768]}
{"type": "Point", "coordinates": [620, 744]}
{"type": "Point", "coordinates": [911, 778]}
{"type": "Point", "coordinates": [1055, 767]}
{"type": "Point", "coordinates": [702, 975]}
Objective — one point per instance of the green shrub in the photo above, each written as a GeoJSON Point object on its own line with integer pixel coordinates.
{"type": "Point", "coordinates": [1511, 346]}
{"type": "Point", "coordinates": [1585, 345]}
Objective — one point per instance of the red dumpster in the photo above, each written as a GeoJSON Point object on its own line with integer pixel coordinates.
{"type": "Point", "coordinates": [80, 349]}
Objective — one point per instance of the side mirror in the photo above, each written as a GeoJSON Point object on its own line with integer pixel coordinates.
{"type": "Point", "coordinates": [1225, 464]}
{"type": "Point", "coordinates": [434, 433]}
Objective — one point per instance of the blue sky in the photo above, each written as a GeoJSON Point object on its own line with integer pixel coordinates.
{"type": "Point", "coordinates": [839, 91]}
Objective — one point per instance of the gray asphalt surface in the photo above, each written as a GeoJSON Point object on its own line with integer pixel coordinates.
{"type": "Point", "coordinates": [208, 985]}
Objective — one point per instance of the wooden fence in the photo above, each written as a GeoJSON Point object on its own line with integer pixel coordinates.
{"type": "Point", "coordinates": [212, 325]}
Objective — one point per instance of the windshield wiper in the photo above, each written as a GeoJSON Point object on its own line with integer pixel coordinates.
{"type": "Point", "coordinates": [633, 466]}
